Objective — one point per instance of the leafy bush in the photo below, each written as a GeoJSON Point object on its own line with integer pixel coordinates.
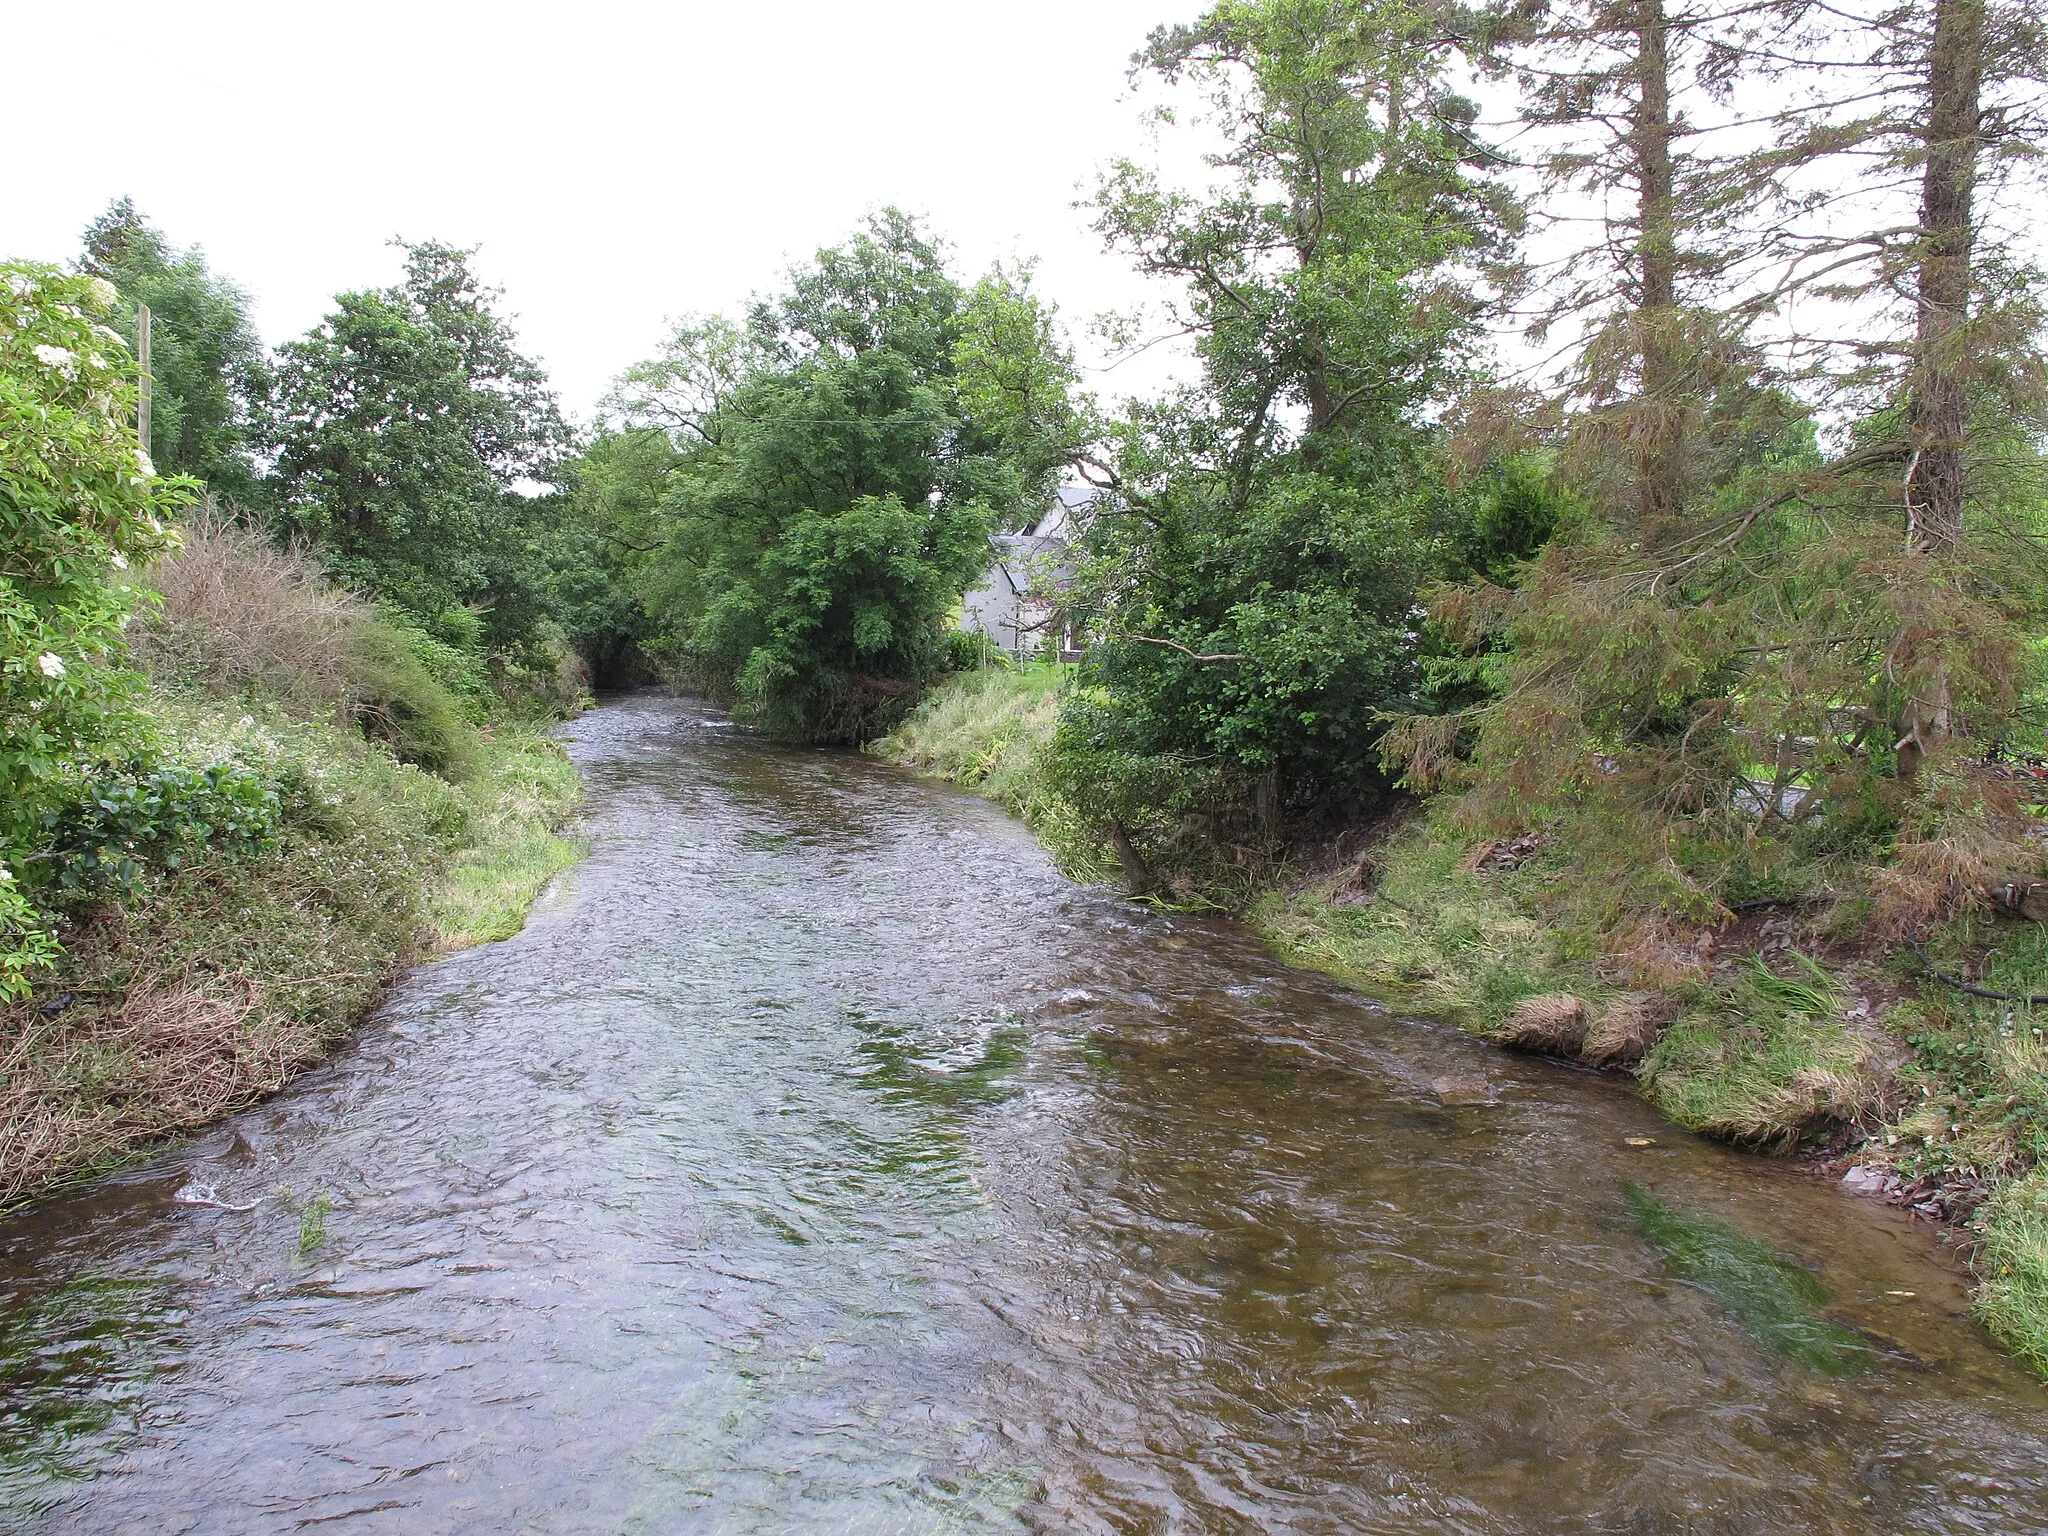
{"type": "Point", "coordinates": [98, 840]}
{"type": "Point", "coordinates": [401, 697]}
{"type": "Point", "coordinates": [79, 501]}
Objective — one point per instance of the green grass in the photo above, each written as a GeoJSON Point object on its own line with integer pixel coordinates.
{"type": "Point", "coordinates": [1432, 936]}
{"type": "Point", "coordinates": [984, 731]}
{"type": "Point", "coordinates": [981, 729]}
{"type": "Point", "coordinates": [1761, 1060]}
{"type": "Point", "coordinates": [2013, 1300]}
{"type": "Point", "coordinates": [524, 790]}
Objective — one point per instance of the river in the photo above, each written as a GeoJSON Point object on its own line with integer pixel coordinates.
{"type": "Point", "coordinates": [819, 1160]}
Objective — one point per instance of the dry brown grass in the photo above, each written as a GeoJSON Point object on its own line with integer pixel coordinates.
{"type": "Point", "coordinates": [1627, 1028]}
{"type": "Point", "coordinates": [1554, 1024]}
{"type": "Point", "coordinates": [79, 1090]}
{"type": "Point", "coordinates": [239, 614]}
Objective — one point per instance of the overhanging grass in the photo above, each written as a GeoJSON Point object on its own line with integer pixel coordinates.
{"type": "Point", "coordinates": [524, 791]}
{"type": "Point", "coordinates": [1426, 933]}
{"type": "Point", "coordinates": [983, 730]}
{"type": "Point", "coordinates": [2013, 1301]}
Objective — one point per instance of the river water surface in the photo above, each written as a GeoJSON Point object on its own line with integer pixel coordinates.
{"type": "Point", "coordinates": [820, 1160]}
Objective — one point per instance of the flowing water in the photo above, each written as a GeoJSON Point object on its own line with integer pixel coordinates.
{"type": "Point", "coordinates": [819, 1160]}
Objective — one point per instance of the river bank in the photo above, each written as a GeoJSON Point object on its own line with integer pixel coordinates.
{"type": "Point", "coordinates": [1785, 1032]}
{"type": "Point", "coordinates": [316, 794]}
{"type": "Point", "coordinates": [210, 986]}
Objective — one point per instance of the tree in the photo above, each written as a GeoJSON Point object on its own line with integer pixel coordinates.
{"type": "Point", "coordinates": [1710, 677]}
{"type": "Point", "coordinates": [1256, 554]}
{"type": "Point", "coordinates": [828, 474]}
{"type": "Point", "coordinates": [206, 363]}
{"type": "Point", "coordinates": [405, 427]}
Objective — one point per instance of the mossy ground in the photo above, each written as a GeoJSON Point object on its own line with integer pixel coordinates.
{"type": "Point", "coordinates": [219, 982]}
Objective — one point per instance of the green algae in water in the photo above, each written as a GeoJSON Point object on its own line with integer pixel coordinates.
{"type": "Point", "coordinates": [75, 1365]}
{"type": "Point", "coordinates": [1778, 1301]}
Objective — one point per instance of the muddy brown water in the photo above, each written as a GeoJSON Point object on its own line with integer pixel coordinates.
{"type": "Point", "coordinates": [820, 1160]}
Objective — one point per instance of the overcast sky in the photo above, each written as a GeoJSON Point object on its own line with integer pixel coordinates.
{"type": "Point", "coordinates": [619, 161]}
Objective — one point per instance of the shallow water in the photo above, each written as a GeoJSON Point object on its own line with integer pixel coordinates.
{"type": "Point", "coordinates": [819, 1160]}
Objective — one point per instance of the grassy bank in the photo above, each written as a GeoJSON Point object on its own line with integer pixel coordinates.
{"type": "Point", "coordinates": [404, 811]}
{"type": "Point", "coordinates": [1783, 1031]}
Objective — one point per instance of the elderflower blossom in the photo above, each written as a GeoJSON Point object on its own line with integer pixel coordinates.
{"type": "Point", "coordinates": [51, 663]}
{"type": "Point", "coordinates": [104, 294]}
{"type": "Point", "coordinates": [120, 561]}
{"type": "Point", "coordinates": [146, 464]}
{"type": "Point", "coordinates": [59, 358]}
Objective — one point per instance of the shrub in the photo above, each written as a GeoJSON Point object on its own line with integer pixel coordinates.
{"type": "Point", "coordinates": [98, 840]}
{"type": "Point", "coordinates": [402, 700]}
{"type": "Point", "coordinates": [79, 500]}
{"type": "Point", "coordinates": [235, 615]}
{"type": "Point", "coordinates": [238, 616]}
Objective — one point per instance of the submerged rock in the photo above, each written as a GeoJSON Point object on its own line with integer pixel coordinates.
{"type": "Point", "coordinates": [1460, 1089]}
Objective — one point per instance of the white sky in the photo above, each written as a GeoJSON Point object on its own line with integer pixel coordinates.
{"type": "Point", "coordinates": [619, 161]}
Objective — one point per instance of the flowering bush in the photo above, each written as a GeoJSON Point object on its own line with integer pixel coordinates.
{"type": "Point", "coordinates": [79, 500]}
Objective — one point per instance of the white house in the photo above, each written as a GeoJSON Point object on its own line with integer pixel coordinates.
{"type": "Point", "coordinates": [1016, 604]}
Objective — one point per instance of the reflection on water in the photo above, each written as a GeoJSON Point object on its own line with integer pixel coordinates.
{"type": "Point", "coordinates": [818, 1160]}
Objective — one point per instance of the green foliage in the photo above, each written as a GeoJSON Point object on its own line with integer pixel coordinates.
{"type": "Point", "coordinates": [524, 789]}
{"type": "Point", "coordinates": [2014, 1263]}
{"type": "Point", "coordinates": [401, 426]}
{"type": "Point", "coordinates": [1426, 931]}
{"type": "Point", "coordinates": [1761, 1060]}
{"type": "Point", "coordinates": [987, 730]}
{"type": "Point", "coordinates": [206, 363]}
{"type": "Point", "coordinates": [79, 502]}
{"type": "Point", "coordinates": [313, 1225]}
{"type": "Point", "coordinates": [400, 695]}
{"type": "Point", "coordinates": [1777, 1300]}
{"type": "Point", "coordinates": [1256, 562]}
{"type": "Point", "coordinates": [106, 828]}
{"type": "Point", "coordinates": [826, 477]}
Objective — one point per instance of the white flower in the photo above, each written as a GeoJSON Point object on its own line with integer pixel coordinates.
{"type": "Point", "coordinates": [143, 461]}
{"type": "Point", "coordinates": [19, 286]}
{"type": "Point", "coordinates": [104, 295]}
{"type": "Point", "coordinates": [108, 333]}
{"type": "Point", "coordinates": [55, 357]}
{"type": "Point", "coordinates": [51, 663]}
{"type": "Point", "coordinates": [120, 561]}
{"type": "Point", "coordinates": [6, 874]}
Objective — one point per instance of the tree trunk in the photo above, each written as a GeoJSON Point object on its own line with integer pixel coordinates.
{"type": "Point", "coordinates": [1138, 876]}
{"type": "Point", "coordinates": [1660, 430]}
{"type": "Point", "coordinates": [1938, 410]}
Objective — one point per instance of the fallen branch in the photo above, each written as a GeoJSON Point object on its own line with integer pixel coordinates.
{"type": "Point", "coordinates": [2032, 999]}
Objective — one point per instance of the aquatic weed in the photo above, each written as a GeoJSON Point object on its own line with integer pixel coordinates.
{"type": "Point", "coordinates": [1778, 1301]}
{"type": "Point", "coordinates": [313, 1224]}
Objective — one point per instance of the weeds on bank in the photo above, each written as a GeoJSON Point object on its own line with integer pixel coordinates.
{"type": "Point", "coordinates": [525, 790]}
{"type": "Point", "coordinates": [1761, 1060]}
{"type": "Point", "coordinates": [2013, 1301]}
{"type": "Point", "coordinates": [984, 730]}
